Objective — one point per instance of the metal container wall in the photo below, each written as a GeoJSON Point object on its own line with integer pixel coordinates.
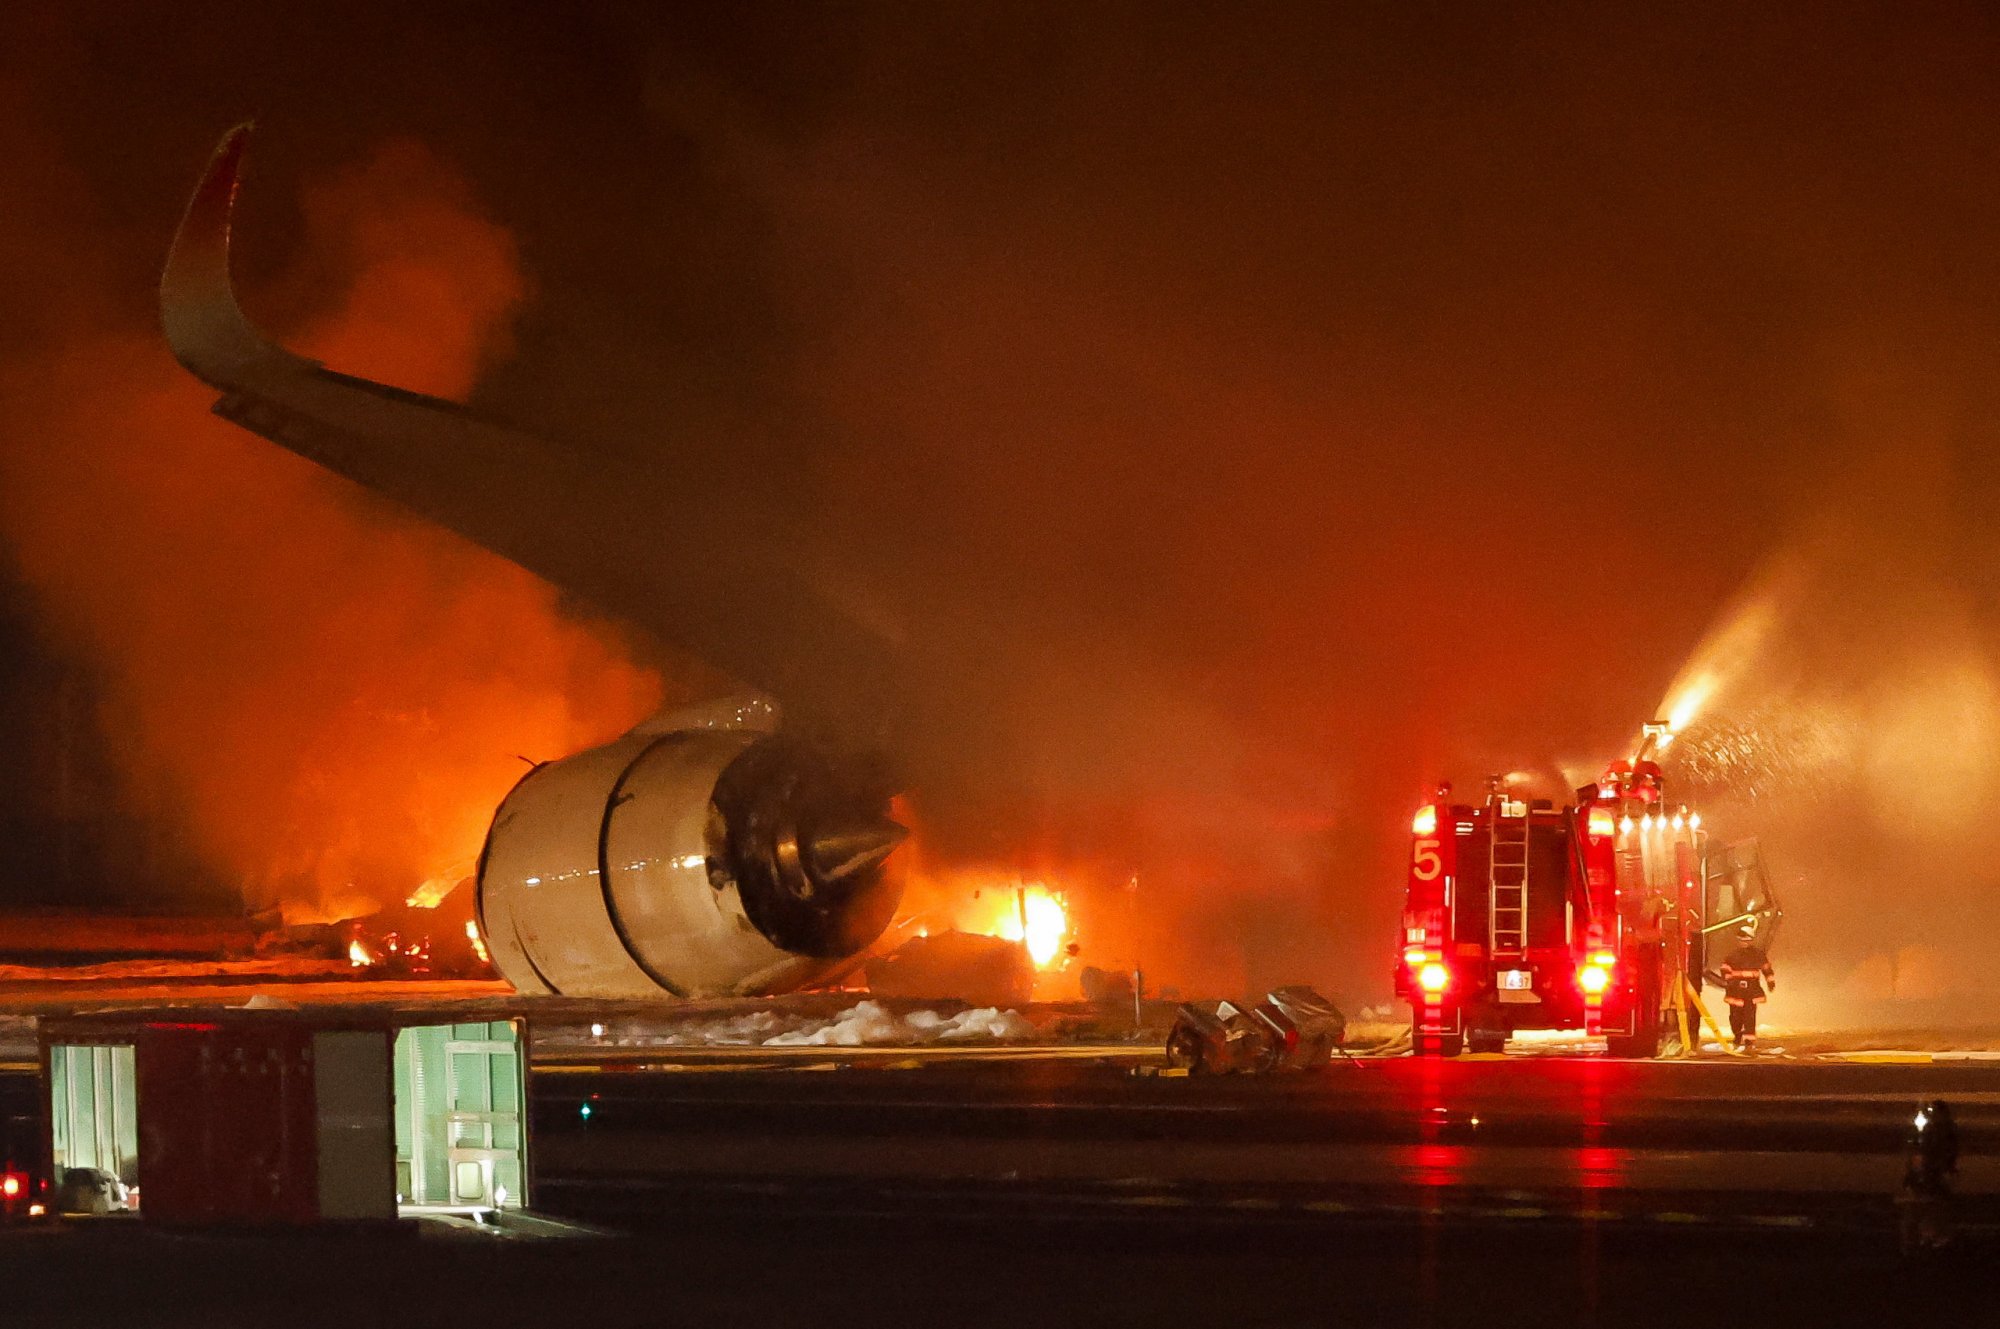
{"type": "Point", "coordinates": [226, 1124]}
{"type": "Point", "coordinates": [260, 1122]}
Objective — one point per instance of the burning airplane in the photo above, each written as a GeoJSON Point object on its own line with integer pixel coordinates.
{"type": "Point", "coordinates": [708, 852]}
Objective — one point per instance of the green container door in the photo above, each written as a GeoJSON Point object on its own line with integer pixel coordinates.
{"type": "Point", "coordinates": [94, 1109]}
{"type": "Point", "coordinates": [461, 1115]}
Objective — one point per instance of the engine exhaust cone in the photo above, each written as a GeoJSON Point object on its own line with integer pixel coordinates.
{"type": "Point", "coordinates": [841, 852]}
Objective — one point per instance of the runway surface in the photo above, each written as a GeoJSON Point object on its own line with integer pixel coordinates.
{"type": "Point", "coordinates": [1720, 1139]}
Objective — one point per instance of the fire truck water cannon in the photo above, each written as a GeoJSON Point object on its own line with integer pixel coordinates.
{"type": "Point", "coordinates": [1522, 914]}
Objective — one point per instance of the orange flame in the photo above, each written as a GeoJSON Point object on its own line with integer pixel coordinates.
{"type": "Point", "coordinates": [1034, 915]}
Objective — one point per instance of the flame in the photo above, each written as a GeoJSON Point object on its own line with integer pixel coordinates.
{"type": "Point", "coordinates": [357, 954]}
{"type": "Point", "coordinates": [478, 942]}
{"type": "Point", "coordinates": [433, 892]}
{"type": "Point", "coordinates": [1033, 915]}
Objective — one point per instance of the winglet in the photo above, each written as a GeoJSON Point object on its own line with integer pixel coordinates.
{"type": "Point", "coordinates": [207, 329]}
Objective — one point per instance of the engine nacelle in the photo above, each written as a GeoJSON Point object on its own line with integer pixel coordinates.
{"type": "Point", "coordinates": [692, 862]}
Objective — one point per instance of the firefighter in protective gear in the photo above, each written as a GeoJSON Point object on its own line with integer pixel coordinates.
{"type": "Point", "coordinates": [1746, 975]}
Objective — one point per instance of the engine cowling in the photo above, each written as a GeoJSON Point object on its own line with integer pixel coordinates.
{"type": "Point", "coordinates": [691, 862]}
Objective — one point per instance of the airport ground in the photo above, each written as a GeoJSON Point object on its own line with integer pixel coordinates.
{"type": "Point", "coordinates": [1079, 1185]}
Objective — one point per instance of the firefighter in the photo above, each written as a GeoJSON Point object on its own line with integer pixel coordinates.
{"type": "Point", "coordinates": [1746, 974]}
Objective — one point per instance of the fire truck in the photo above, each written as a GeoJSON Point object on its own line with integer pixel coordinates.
{"type": "Point", "coordinates": [1591, 916]}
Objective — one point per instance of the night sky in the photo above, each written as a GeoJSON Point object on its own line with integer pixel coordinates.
{"type": "Point", "coordinates": [1278, 408]}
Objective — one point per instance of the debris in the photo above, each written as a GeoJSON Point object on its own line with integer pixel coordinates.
{"type": "Point", "coordinates": [1294, 1028]}
{"type": "Point", "coordinates": [967, 966]}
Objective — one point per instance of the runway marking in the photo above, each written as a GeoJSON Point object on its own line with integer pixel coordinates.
{"type": "Point", "coordinates": [1902, 1057]}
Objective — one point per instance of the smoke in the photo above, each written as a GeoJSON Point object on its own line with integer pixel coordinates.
{"type": "Point", "coordinates": [333, 694]}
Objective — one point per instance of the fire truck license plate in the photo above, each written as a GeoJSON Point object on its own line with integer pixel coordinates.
{"type": "Point", "coordinates": [1517, 985]}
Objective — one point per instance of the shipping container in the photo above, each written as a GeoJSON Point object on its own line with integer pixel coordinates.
{"type": "Point", "coordinates": [234, 1117]}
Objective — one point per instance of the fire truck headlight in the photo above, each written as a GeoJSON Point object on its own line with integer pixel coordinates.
{"type": "Point", "coordinates": [1602, 823]}
{"type": "Point", "coordinates": [1594, 979]}
{"type": "Point", "coordinates": [1426, 821]}
{"type": "Point", "coordinates": [1434, 978]}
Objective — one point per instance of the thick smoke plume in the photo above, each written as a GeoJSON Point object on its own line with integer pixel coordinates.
{"type": "Point", "coordinates": [335, 695]}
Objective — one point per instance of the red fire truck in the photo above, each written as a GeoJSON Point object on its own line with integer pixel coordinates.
{"type": "Point", "coordinates": [1525, 915]}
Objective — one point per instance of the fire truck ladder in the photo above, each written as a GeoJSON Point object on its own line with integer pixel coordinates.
{"type": "Point", "coordinates": [1508, 882]}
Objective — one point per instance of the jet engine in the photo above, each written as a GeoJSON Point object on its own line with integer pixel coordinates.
{"type": "Point", "coordinates": [692, 862]}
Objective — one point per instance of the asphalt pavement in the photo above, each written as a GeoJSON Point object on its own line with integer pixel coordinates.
{"type": "Point", "coordinates": [1719, 1139]}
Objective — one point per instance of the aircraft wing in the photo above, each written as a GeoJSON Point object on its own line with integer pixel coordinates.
{"type": "Point", "coordinates": [634, 557]}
